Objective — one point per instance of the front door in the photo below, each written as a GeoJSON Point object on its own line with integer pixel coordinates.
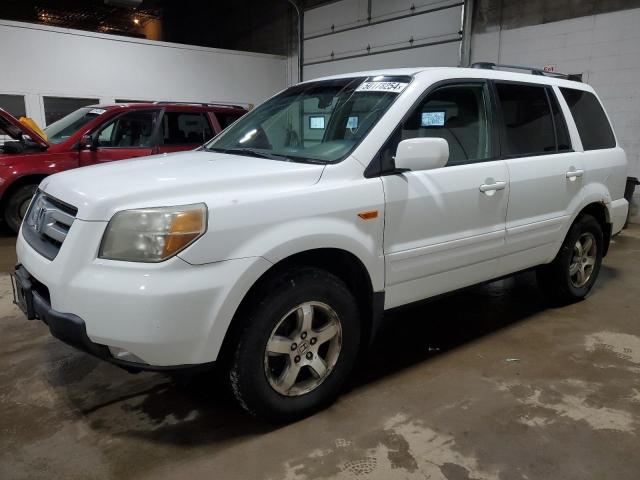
{"type": "Point", "coordinates": [130, 135]}
{"type": "Point", "coordinates": [445, 228]}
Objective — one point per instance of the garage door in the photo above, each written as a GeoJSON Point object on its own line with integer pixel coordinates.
{"type": "Point", "coordinates": [351, 35]}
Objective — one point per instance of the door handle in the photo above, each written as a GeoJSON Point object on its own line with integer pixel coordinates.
{"type": "Point", "coordinates": [573, 174]}
{"type": "Point", "coordinates": [492, 187]}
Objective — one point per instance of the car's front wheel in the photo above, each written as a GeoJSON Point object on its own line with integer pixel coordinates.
{"type": "Point", "coordinates": [16, 206]}
{"type": "Point", "coordinates": [297, 346]}
{"type": "Point", "coordinates": [572, 274]}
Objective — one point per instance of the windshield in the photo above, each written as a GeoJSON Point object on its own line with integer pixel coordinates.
{"type": "Point", "coordinates": [61, 130]}
{"type": "Point", "coordinates": [317, 121]}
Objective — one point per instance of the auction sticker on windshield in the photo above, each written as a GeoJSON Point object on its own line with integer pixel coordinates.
{"type": "Point", "coordinates": [395, 87]}
{"type": "Point", "coordinates": [98, 111]}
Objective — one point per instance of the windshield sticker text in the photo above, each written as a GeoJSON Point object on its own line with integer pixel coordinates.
{"type": "Point", "coordinates": [97, 111]}
{"type": "Point", "coordinates": [394, 87]}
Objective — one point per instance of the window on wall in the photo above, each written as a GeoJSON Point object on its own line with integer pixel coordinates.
{"type": "Point", "coordinates": [14, 104]}
{"type": "Point", "coordinates": [130, 130]}
{"type": "Point", "coordinates": [56, 108]}
{"type": "Point", "coordinates": [591, 121]}
{"type": "Point", "coordinates": [527, 120]}
{"type": "Point", "coordinates": [457, 113]}
{"type": "Point", "coordinates": [181, 128]}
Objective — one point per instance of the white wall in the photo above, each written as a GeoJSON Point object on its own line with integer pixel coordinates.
{"type": "Point", "coordinates": [45, 61]}
{"type": "Point", "coordinates": [330, 54]}
{"type": "Point", "coordinates": [604, 47]}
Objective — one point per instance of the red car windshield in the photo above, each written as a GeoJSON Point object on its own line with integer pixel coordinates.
{"type": "Point", "coordinates": [61, 130]}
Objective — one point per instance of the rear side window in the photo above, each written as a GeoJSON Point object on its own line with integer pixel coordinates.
{"type": "Point", "coordinates": [184, 128]}
{"type": "Point", "coordinates": [562, 134]}
{"type": "Point", "coordinates": [227, 119]}
{"type": "Point", "coordinates": [591, 121]}
{"type": "Point", "coordinates": [527, 120]}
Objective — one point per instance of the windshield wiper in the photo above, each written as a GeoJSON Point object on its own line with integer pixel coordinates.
{"type": "Point", "coordinates": [272, 156]}
{"type": "Point", "coordinates": [249, 151]}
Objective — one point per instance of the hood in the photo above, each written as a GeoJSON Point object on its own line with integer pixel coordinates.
{"type": "Point", "coordinates": [10, 125]}
{"type": "Point", "coordinates": [98, 192]}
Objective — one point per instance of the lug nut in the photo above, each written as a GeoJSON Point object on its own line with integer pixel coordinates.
{"type": "Point", "coordinates": [297, 359]}
{"type": "Point", "coordinates": [313, 341]}
{"type": "Point", "coordinates": [293, 346]}
{"type": "Point", "coordinates": [304, 335]}
{"type": "Point", "coordinates": [309, 355]}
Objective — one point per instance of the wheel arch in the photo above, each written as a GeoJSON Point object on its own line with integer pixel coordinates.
{"type": "Point", "coordinates": [599, 211]}
{"type": "Point", "coordinates": [27, 179]}
{"type": "Point", "coordinates": [341, 263]}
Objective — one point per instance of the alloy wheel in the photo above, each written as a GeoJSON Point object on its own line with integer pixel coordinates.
{"type": "Point", "coordinates": [303, 349]}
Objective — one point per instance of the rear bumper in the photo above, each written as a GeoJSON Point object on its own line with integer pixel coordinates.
{"type": "Point", "coordinates": [618, 214]}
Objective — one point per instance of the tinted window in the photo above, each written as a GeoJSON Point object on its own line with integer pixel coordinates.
{"type": "Point", "coordinates": [227, 119]}
{"type": "Point", "coordinates": [131, 130]}
{"type": "Point", "coordinates": [562, 134]}
{"type": "Point", "coordinates": [591, 121]}
{"type": "Point", "coordinates": [185, 128]}
{"type": "Point", "coordinates": [61, 130]}
{"type": "Point", "coordinates": [56, 108]}
{"type": "Point", "coordinates": [14, 104]}
{"type": "Point", "coordinates": [528, 125]}
{"type": "Point", "coordinates": [459, 114]}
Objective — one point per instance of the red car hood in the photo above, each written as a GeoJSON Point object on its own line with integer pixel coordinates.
{"type": "Point", "coordinates": [10, 125]}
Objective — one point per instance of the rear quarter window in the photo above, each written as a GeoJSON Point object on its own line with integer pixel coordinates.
{"type": "Point", "coordinates": [591, 121]}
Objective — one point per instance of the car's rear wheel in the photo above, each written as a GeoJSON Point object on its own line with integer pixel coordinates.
{"type": "Point", "coordinates": [17, 204]}
{"type": "Point", "coordinates": [297, 346]}
{"type": "Point", "coordinates": [572, 274]}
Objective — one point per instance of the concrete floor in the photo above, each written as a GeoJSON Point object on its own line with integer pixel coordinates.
{"type": "Point", "coordinates": [487, 383]}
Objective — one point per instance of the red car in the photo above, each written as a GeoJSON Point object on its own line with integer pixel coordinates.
{"type": "Point", "coordinates": [97, 134]}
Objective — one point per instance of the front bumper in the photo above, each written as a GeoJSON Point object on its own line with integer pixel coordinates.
{"type": "Point", "coordinates": [148, 316]}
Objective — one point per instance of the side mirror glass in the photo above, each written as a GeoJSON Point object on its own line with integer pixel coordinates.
{"type": "Point", "coordinates": [422, 154]}
{"type": "Point", "coordinates": [87, 143]}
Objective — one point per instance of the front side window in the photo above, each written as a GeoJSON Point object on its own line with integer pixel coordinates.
{"type": "Point", "coordinates": [317, 121]}
{"type": "Point", "coordinates": [457, 113]}
{"type": "Point", "coordinates": [527, 122]}
{"type": "Point", "coordinates": [183, 128]}
{"type": "Point", "coordinates": [56, 108]}
{"type": "Point", "coordinates": [131, 130]}
{"type": "Point", "coordinates": [61, 130]}
{"type": "Point", "coordinates": [591, 121]}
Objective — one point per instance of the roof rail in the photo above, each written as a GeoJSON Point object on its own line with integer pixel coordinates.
{"type": "Point", "coordinates": [577, 77]}
{"type": "Point", "coordinates": [200, 104]}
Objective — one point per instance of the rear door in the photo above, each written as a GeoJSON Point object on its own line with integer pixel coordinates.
{"type": "Point", "coordinates": [129, 135]}
{"type": "Point", "coordinates": [184, 130]}
{"type": "Point", "coordinates": [545, 173]}
{"type": "Point", "coordinates": [445, 228]}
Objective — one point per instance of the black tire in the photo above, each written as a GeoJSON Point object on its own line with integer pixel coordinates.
{"type": "Point", "coordinates": [249, 383]}
{"type": "Point", "coordinates": [15, 206]}
{"type": "Point", "coordinates": [555, 279]}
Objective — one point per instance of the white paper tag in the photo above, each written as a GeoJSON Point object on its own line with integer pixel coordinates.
{"type": "Point", "coordinates": [97, 111]}
{"type": "Point", "coordinates": [395, 87]}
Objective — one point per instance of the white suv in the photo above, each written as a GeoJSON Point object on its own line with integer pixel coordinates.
{"type": "Point", "coordinates": [275, 249]}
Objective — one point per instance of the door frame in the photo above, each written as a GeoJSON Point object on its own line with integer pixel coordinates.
{"type": "Point", "coordinates": [154, 134]}
{"type": "Point", "coordinates": [374, 169]}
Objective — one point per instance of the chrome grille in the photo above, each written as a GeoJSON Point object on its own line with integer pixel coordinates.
{"type": "Point", "coordinates": [47, 224]}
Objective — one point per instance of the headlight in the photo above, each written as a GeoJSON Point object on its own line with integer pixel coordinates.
{"type": "Point", "coordinates": [152, 234]}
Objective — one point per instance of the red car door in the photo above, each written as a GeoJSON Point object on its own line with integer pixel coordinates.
{"type": "Point", "coordinates": [129, 135]}
{"type": "Point", "coordinates": [183, 130]}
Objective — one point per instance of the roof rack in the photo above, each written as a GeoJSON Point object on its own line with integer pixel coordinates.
{"type": "Point", "coordinates": [577, 77]}
{"type": "Point", "coordinates": [222, 105]}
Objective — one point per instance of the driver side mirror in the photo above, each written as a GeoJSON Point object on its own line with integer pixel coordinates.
{"type": "Point", "coordinates": [88, 142]}
{"type": "Point", "coordinates": [422, 154]}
